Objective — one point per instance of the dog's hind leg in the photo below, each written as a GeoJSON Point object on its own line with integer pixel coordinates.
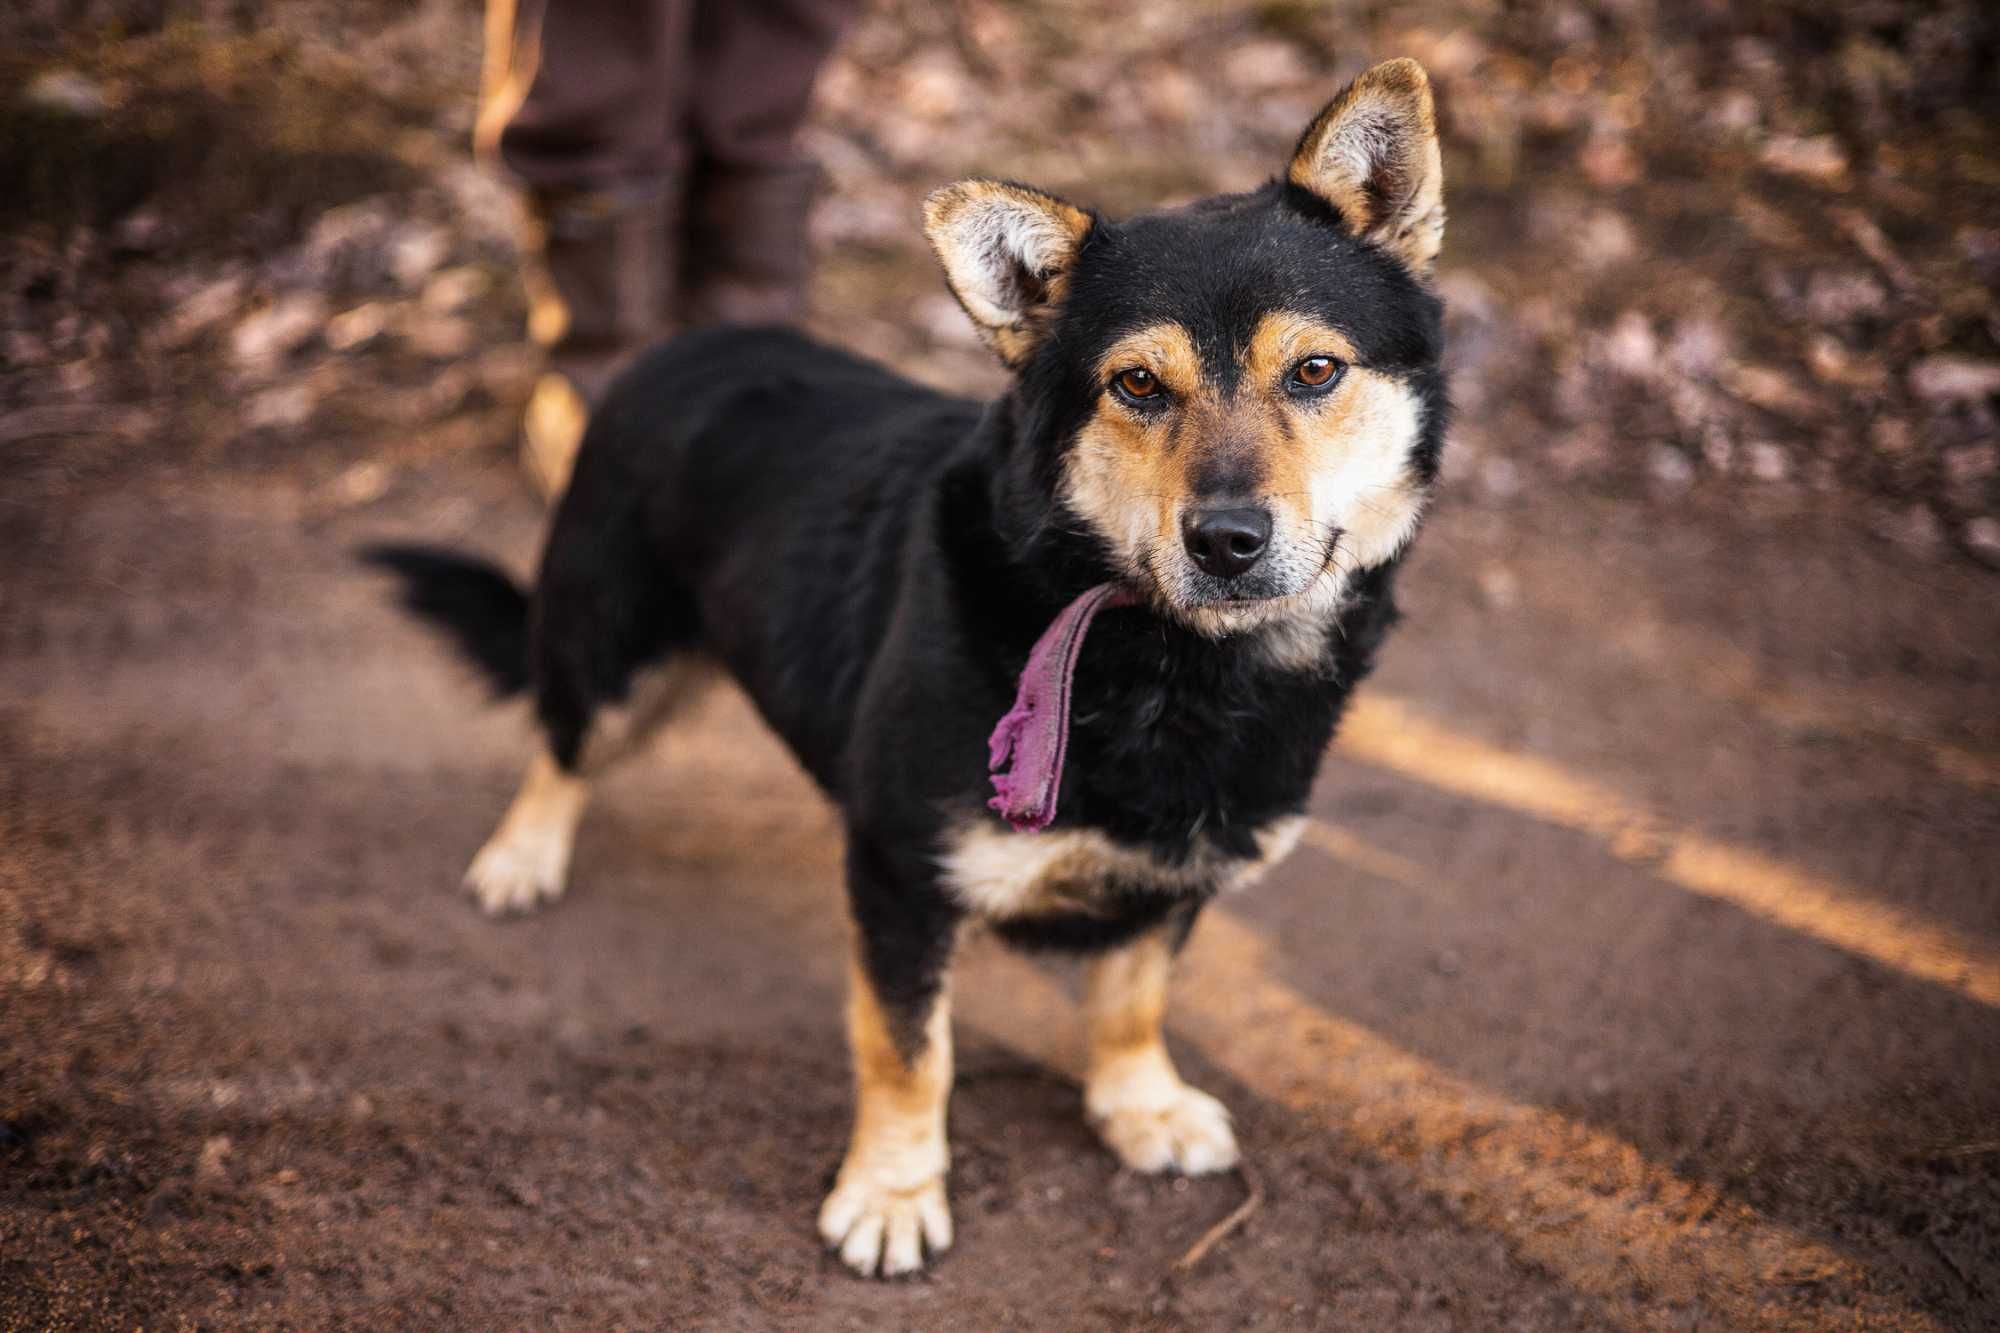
{"type": "Point", "coordinates": [526, 861]}
{"type": "Point", "coordinates": [613, 658]}
{"type": "Point", "coordinates": [1133, 1095]}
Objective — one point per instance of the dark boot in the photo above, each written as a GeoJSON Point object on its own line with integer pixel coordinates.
{"type": "Point", "coordinates": [602, 273]}
{"type": "Point", "coordinates": [746, 248]}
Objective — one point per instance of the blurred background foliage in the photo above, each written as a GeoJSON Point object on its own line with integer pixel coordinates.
{"type": "Point", "coordinates": [1700, 252]}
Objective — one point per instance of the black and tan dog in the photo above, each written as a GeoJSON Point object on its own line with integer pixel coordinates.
{"type": "Point", "coordinates": [1232, 412]}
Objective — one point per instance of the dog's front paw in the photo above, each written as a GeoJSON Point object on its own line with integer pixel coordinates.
{"type": "Point", "coordinates": [1172, 1128]}
{"type": "Point", "coordinates": [882, 1228]}
{"type": "Point", "coordinates": [519, 872]}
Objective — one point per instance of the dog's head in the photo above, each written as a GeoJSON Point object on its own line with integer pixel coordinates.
{"type": "Point", "coordinates": [1241, 399]}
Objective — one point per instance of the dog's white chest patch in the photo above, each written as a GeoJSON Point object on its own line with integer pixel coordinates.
{"type": "Point", "coordinates": [996, 873]}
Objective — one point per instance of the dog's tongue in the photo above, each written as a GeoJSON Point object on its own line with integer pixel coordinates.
{"type": "Point", "coordinates": [1035, 734]}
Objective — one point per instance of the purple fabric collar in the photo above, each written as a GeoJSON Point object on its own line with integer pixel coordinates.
{"type": "Point", "coordinates": [1034, 735]}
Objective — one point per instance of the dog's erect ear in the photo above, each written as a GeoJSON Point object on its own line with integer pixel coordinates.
{"type": "Point", "coordinates": [1007, 252]}
{"type": "Point", "coordinates": [1373, 155]}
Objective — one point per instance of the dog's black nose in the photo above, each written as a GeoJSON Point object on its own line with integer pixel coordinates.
{"type": "Point", "coordinates": [1225, 542]}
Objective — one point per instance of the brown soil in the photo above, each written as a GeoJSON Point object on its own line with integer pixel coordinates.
{"type": "Point", "coordinates": [260, 1064]}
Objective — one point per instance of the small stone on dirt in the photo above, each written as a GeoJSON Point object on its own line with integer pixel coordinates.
{"type": "Point", "coordinates": [204, 308]}
{"type": "Point", "coordinates": [440, 337]}
{"type": "Point", "coordinates": [1842, 295]}
{"type": "Point", "coordinates": [416, 253]}
{"type": "Point", "coordinates": [360, 484]}
{"type": "Point", "coordinates": [1816, 158]}
{"type": "Point", "coordinates": [1671, 467]}
{"type": "Point", "coordinates": [352, 329]}
{"type": "Point", "coordinates": [1632, 349]}
{"type": "Point", "coordinates": [142, 233]}
{"type": "Point", "coordinates": [453, 289]}
{"type": "Point", "coordinates": [1954, 378]}
{"type": "Point", "coordinates": [1982, 540]}
{"type": "Point", "coordinates": [282, 407]}
{"type": "Point", "coordinates": [1604, 238]}
{"type": "Point", "coordinates": [66, 93]}
{"type": "Point", "coordinates": [278, 330]}
{"type": "Point", "coordinates": [1767, 461]}
{"type": "Point", "coordinates": [212, 1164]}
{"type": "Point", "coordinates": [1772, 390]}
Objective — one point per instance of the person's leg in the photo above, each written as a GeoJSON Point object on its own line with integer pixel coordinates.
{"type": "Point", "coordinates": [584, 103]}
{"type": "Point", "coordinates": [753, 70]}
{"type": "Point", "coordinates": [581, 95]}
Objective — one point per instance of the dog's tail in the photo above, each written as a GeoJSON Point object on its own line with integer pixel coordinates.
{"type": "Point", "coordinates": [472, 600]}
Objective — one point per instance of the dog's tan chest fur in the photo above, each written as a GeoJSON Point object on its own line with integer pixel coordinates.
{"type": "Point", "coordinates": [998, 874]}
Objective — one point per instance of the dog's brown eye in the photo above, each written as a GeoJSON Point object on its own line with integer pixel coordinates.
{"type": "Point", "coordinates": [1137, 383]}
{"type": "Point", "coordinates": [1316, 372]}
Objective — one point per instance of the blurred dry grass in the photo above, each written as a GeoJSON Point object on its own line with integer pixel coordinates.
{"type": "Point", "coordinates": [1698, 252]}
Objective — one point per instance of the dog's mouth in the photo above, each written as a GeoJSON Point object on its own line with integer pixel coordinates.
{"type": "Point", "coordinates": [1230, 612]}
{"type": "Point", "coordinates": [1241, 603]}
{"type": "Point", "coordinates": [1290, 588]}
{"type": "Point", "coordinates": [1235, 613]}
{"type": "Point", "coordinates": [1260, 590]}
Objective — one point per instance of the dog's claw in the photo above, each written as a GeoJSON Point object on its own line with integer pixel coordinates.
{"type": "Point", "coordinates": [1188, 1132]}
{"type": "Point", "coordinates": [884, 1231]}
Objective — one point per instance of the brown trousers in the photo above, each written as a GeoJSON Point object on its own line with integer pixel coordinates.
{"type": "Point", "coordinates": [625, 95]}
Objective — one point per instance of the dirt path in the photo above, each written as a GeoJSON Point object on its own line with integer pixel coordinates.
{"type": "Point", "coordinates": [1641, 971]}
{"type": "Point", "coordinates": [1650, 986]}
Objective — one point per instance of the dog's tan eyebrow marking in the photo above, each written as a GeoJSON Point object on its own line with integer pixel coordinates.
{"type": "Point", "coordinates": [1166, 349]}
{"type": "Point", "coordinates": [1283, 338]}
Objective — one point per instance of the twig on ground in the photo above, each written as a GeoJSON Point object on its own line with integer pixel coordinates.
{"type": "Point", "coordinates": [1253, 1199]}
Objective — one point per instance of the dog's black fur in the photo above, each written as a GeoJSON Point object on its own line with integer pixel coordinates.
{"type": "Point", "coordinates": [872, 560]}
